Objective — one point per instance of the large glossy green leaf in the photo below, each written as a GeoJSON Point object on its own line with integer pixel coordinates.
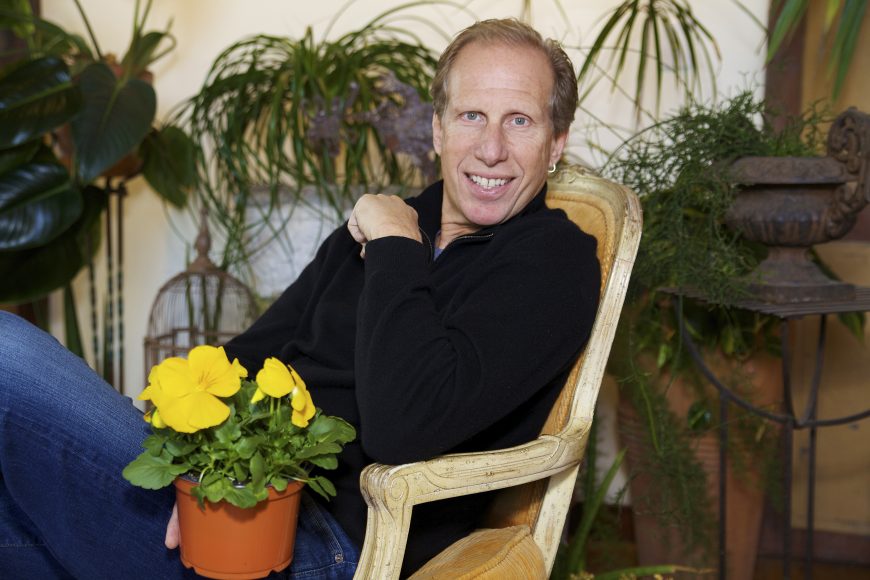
{"type": "Point", "coordinates": [37, 204]}
{"type": "Point", "coordinates": [113, 122]}
{"type": "Point", "coordinates": [29, 274]}
{"type": "Point", "coordinates": [170, 164]}
{"type": "Point", "coordinates": [35, 97]}
{"type": "Point", "coordinates": [12, 158]}
{"type": "Point", "coordinates": [17, 15]}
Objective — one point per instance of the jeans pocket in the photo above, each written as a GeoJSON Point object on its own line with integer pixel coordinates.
{"type": "Point", "coordinates": [323, 550]}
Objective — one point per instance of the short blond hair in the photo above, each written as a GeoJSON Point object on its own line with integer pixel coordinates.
{"type": "Point", "coordinates": [512, 32]}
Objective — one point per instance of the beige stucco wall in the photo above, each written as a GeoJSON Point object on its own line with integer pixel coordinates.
{"type": "Point", "coordinates": [157, 239]}
{"type": "Point", "coordinates": [843, 459]}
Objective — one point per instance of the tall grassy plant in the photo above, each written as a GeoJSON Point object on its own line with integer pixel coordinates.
{"type": "Point", "coordinates": [280, 115]}
{"type": "Point", "coordinates": [663, 35]}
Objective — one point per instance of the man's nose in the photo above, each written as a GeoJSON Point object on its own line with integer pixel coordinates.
{"type": "Point", "coordinates": [492, 144]}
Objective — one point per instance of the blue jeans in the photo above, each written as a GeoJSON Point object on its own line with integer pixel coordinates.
{"type": "Point", "coordinates": [65, 510]}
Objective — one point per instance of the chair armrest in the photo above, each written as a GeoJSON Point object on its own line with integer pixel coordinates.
{"type": "Point", "coordinates": [468, 473]}
{"type": "Point", "coordinates": [392, 491]}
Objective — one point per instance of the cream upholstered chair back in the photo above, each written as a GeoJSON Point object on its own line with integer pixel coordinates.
{"type": "Point", "coordinates": [537, 478]}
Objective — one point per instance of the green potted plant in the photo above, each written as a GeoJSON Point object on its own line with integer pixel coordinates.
{"type": "Point", "coordinates": [572, 559]}
{"type": "Point", "coordinates": [295, 120]}
{"type": "Point", "coordinates": [230, 444]}
{"type": "Point", "coordinates": [682, 170]}
{"type": "Point", "coordinates": [71, 114]}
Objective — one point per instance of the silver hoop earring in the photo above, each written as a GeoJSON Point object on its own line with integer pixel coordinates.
{"type": "Point", "coordinates": [552, 169]}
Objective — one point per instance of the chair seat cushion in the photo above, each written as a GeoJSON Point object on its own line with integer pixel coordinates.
{"type": "Point", "coordinates": [502, 554]}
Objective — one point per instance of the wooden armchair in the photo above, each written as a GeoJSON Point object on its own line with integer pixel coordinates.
{"type": "Point", "coordinates": [537, 479]}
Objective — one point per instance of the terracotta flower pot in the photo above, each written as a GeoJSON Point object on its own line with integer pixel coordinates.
{"type": "Point", "coordinates": [660, 544]}
{"type": "Point", "coordinates": [224, 541]}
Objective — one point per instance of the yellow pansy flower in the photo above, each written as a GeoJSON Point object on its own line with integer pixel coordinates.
{"type": "Point", "coordinates": [186, 392]}
{"type": "Point", "coordinates": [240, 370]}
{"type": "Point", "coordinates": [153, 393]}
{"type": "Point", "coordinates": [153, 417]}
{"type": "Point", "coordinates": [277, 380]}
{"type": "Point", "coordinates": [303, 407]}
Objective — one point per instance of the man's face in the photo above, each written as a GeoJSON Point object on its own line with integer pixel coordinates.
{"type": "Point", "coordinates": [495, 139]}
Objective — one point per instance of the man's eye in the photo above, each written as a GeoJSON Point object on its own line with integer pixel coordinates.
{"type": "Point", "coordinates": [521, 121]}
{"type": "Point", "coordinates": [471, 116]}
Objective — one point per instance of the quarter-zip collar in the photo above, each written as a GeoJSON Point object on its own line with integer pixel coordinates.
{"type": "Point", "coordinates": [428, 204]}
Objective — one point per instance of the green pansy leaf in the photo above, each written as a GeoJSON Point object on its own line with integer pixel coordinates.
{"type": "Point", "coordinates": [258, 470]}
{"type": "Point", "coordinates": [318, 449]}
{"type": "Point", "coordinates": [217, 488]}
{"type": "Point", "coordinates": [279, 483]}
{"type": "Point", "coordinates": [228, 432]}
{"type": "Point", "coordinates": [248, 445]}
{"type": "Point", "coordinates": [328, 428]}
{"type": "Point", "coordinates": [322, 486]}
{"type": "Point", "coordinates": [325, 461]}
{"type": "Point", "coordinates": [154, 444]}
{"type": "Point", "coordinates": [152, 472]}
{"type": "Point", "coordinates": [211, 478]}
{"type": "Point", "coordinates": [239, 472]}
{"type": "Point", "coordinates": [180, 448]}
{"type": "Point", "coordinates": [197, 493]}
{"type": "Point", "coordinates": [243, 497]}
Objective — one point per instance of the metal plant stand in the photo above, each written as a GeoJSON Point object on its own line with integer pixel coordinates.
{"type": "Point", "coordinates": [788, 418]}
{"type": "Point", "coordinates": [790, 204]}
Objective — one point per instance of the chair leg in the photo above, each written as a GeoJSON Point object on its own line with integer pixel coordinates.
{"type": "Point", "coordinates": [554, 510]}
{"type": "Point", "coordinates": [387, 526]}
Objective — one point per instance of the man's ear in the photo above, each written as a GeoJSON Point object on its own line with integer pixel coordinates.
{"type": "Point", "coordinates": [436, 133]}
{"type": "Point", "coordinates": [557, 148]}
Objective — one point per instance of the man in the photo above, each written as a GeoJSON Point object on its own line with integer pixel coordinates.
{"type": "Point", "coordinates": [445, 323]}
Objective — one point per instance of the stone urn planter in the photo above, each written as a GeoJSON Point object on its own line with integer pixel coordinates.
{"type": "Point", "coordinates": [792, 203]}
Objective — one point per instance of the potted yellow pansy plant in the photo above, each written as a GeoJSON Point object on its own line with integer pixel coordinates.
{"type": "Point", "coordinates": [233, 447]}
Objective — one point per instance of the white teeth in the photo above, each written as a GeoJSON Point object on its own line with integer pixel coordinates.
{"type": "Point", "coordinates": [488, 183]}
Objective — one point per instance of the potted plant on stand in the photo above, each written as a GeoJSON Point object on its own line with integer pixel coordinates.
{"type": "Point", "coordinates": [682, 169]}
{"type": "Point", "coordinates": [238, 452]}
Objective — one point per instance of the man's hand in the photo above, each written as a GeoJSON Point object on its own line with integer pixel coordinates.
{"type": "Point", "coordinates": [172, 532]}
{"type": "Point", "coordinates": [377, 215]}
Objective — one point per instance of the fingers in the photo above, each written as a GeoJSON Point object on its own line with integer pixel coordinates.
{"type": "Point", "coordinates": [354, 228]}
{"type": "Point", "coordinates": [377, 216]}
{"type": "Point", "coordinates": [172, 532]}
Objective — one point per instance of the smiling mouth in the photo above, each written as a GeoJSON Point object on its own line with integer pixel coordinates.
{"type": "Point", "coordinates": [487, 183]}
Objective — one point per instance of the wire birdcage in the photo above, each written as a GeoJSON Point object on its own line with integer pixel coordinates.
{"type": "Point", "coordinates": [202, 305]}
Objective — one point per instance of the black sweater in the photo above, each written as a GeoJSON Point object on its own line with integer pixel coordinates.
{"type": "Point", "coordinates": [463, 353]}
